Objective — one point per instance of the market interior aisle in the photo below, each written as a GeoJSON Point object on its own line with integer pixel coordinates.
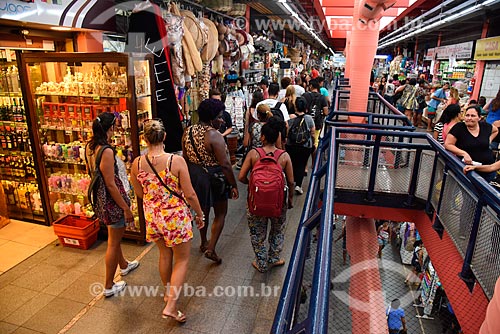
{"type": "Point", "coordinates": [50, 292]}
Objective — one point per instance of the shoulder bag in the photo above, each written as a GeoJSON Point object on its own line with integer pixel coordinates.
{"type": "Point", "coordinates": [163, 182]}
{"type": "Point", "coordinates": [103, 204]}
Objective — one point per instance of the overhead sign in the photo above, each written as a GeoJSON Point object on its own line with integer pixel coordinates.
{"type": "Point", "coordinates": [488, 49]}
{"type": "Point", "coordinates": [67, 13]}
{"type": "Point", "coordinates": [431, 54]}
{"type": "Point", "coordinates": [458, 51]}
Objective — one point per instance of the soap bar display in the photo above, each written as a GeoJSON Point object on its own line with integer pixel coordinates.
{"type": "Point", "coordinates": [66, 93]}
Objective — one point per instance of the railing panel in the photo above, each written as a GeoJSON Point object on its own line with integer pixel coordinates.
{"type": "Point", "coordinates": [353, 171]}
{"type": "Point", "coordinates": [438, 181]}
{"type": "Point", "coordinates": [457, 211]}
{"type": "Point", "coordinates": [390, 178]}
{"type": "Point", "coordinates": [424, 175]}
{"type": "Point", "coordinates": [486, 259]}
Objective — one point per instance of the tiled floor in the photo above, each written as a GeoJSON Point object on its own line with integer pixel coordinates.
{"type": "Point", "coordinates": [20, 240]}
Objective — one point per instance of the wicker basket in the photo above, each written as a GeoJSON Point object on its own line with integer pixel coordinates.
{"type": "Point", "coordinates": [239, 9]}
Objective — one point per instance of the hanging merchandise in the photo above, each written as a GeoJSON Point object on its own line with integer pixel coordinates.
{"type": "Point", "coordinates": [235, 107]}
{"type": "Point", "coordinates": [429, 286]}
{"type": "Point", "coordinates": [147, 22]}
{"type": "Point", "coordinates": [174, 34]}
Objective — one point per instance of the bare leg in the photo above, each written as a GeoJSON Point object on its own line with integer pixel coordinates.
{"type": "Point", "coordinates": [204, 230]}
{"type": "Point", "coordinates": [181, 260]}
{"type": "Point", "coordinates": [220, 210]}
{"type": "Point", "coordinates": [113, 254]}
{"type": "Point", "coordinates": [164, 263]}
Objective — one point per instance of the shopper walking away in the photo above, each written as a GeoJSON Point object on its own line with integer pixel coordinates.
{"type": "Point", "coordinates": [438, 97]}
{"type": "Point", "coordinates": [299, 142]}
{"type": "Point", "coordinates": [110, 200]}
{"type": "Point", "coordinates": [279, 199]}
{"type": "Point", "coordinates": [162, 180]}
{"type": "Point", "coordinates": [211, 173]}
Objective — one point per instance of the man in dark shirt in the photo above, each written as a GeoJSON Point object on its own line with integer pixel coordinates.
{"type": "Point", "coordinates": [226, 127]}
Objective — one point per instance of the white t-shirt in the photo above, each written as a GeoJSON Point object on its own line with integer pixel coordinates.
{"type": "Point", "coordinates": [271, 103]}
{"type": "Point", "coordinates": [299, 90]}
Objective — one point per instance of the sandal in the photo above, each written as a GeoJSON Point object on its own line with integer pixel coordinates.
{"type": "Point", "coordinates": [260, 270]}
{"type": "Point", "coordinates": [204, 247]}
{"type": "Point", "coordinates": [211, 255]}
{"type": "Point", "coordinates": [278, 263]}
{"type": "Point", "coordinates": [180, 318]}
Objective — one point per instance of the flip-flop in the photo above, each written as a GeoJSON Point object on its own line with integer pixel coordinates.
{"type": "Point", "coordinates": [180, 318]}
{"type": "Point", "coordinates": [204, 247]}
{"type": "Point", "coordinates": [211, 255]}
{"type": "Point", "coordinates": [260, 270]}
{"type": "Point", "coordinates": [278, 263]}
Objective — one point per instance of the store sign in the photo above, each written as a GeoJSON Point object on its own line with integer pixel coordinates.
{"type": "Point", "coordinates": [68, 13]}
{"type": "Point", "coordinates": [488, 49]}
{"type": "Point", "coordinates": [458, 51]}
{"type": "Point", "coordinates": [431, 53]}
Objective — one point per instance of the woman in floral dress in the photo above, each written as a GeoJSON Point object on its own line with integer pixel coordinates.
{"type": "Point", "coordinates": [162, 180]}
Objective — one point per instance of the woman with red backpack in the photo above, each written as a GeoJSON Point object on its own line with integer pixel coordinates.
{"type": "Point", "coordinates": [267, 201]}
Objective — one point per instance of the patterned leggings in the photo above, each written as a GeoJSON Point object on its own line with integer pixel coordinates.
{"type": "Point", "coordinates": [258, 234]}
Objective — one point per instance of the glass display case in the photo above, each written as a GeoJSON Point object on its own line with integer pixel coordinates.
{"type": "Point", "coordinates": [65, 93]}
{"type": "Point", "coordinates": [17, 164]}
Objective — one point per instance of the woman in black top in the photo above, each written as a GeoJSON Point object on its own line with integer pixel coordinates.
{"type": "Point", "coordinates": [471, 140]}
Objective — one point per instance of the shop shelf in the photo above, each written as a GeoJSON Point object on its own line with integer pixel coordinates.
{"type": "Point", "coordinates": [76, 231]}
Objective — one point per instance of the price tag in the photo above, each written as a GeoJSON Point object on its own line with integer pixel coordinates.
{"type": "Point", "coordinates": [96, 98]}
{"type": "Point", "coordinates": [71, 241]}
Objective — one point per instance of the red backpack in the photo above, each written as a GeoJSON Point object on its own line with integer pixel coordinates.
{"type": "Point", "coordinates": [266, 187]}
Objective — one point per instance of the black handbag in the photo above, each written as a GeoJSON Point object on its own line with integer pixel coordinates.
{"type": "Point", "coordinates": [218, 183]}
{"type": "Point", "coordinates": [421, 102]}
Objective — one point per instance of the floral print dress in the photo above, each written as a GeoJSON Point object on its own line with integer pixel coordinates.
{"type": "Point", "coordinates": [167, 216]}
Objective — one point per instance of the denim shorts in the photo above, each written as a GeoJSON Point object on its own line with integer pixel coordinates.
{"type": "Point", "coordinates": [119, 224]}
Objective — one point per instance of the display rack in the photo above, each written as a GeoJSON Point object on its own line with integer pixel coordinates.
{"type": "Point", "coordinates": [429, 286]}
{"type": "Point", "coordinates": [17, 164]}
{"type": "Point", "coordinates": [66, 92]}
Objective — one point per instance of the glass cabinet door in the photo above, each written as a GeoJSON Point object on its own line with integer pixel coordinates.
{"type": "Point", "coordinates": [17, 166]}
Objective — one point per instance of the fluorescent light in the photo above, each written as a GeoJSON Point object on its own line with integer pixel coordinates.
{"type": "Point", "coordinates": [61, 28]}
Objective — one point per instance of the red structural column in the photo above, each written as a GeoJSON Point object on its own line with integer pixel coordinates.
{"type": "Point", "coordinates": [479, 71]}
{"type": "Point", "coordinates": [364, 42]}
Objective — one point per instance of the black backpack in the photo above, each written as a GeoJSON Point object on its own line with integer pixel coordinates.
{"type": "Point", "coordinates": [277, 114]}
{"type": "Point", "coordinates": [315, 109]}
{"type": "Point", "coordinates": [298, 134]}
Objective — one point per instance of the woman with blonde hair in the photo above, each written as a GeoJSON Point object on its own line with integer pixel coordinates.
{"type": "Point", "coordinates": [162, 180]}
{"type": "Point", "coordinates": [289, 100]}
{"type": "Point", "coordinates": [454, 97]}
{"type": "Point", "coordinates": [263, 114]}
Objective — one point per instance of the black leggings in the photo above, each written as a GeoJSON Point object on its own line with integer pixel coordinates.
{"type": "Point", "coordinates": [299, 156]}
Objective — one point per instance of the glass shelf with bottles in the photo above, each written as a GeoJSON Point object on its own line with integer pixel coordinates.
{"type": "Point", "coordinates": [23, 199]}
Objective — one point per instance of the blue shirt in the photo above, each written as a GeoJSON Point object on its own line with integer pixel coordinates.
{"type": "Point", "coordinates": [394, 318]}
{"type": "Point", "coordinates": [323, 91]}
{"type": "Point", "coordinates": [493, 115]}
{"type": "Point", "coordinates": [440, 94]}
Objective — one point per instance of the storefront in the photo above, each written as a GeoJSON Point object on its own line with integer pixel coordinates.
{"type": "Point", "coordinates": [488, 50]}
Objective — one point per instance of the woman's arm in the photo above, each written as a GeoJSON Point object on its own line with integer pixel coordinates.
{"type": "Point", "coordinates": [180, 166]}
{"type": "Point", "coordinates": [494, 132]}
{"type": "Point", "coordinates": [487, 105]}
{"type": "Point", "coordinates": [450, 145]}
{"type": "Point", "coordinates": [217, 145]}
{"type": "Point", "coordinates": [246, 167]}
{"type": "Point", "coordinates": [107, 168]}
{"type": "Point", "coordinates": [289, 178]}
{"type": "Point", "coordinates": [483, 168]}
{"type": "Point", "coordinates": [133, 178]}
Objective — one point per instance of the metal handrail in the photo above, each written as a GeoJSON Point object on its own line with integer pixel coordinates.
{"type": "Point", "coordinates": [317, 317]}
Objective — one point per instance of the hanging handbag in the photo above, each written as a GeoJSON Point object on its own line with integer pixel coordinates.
{"type": "Point", "coordinates": [103, 204]}
{"type": "Point", "coordinates": [218, 183]}
{"type": "Point", "coordinates": [163, 182]}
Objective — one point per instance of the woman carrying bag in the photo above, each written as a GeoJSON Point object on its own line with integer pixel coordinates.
{"type": "Point", "coordinates": [162, 180]}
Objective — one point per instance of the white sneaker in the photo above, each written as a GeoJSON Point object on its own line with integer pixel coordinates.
{"type": "Point", "coordinates": [131, 266]}
{"type": "Point", "coordinates": [299, 190]}
{"type": "Point", "coordinates": [116, 288]}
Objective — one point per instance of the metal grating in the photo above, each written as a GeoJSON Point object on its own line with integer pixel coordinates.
{"type": "Point", "coordinates": [457, 212]}
{"type": "Point", "coordinates": [353, 171]}
{"type": "Point", "coordinates": [392, 175]}
{"type": "Point", "coordinates": [438, 181]}
{"type": "Point", "coordinates": [486, 259]}
{"type": "Point", "coordinates": [424, 175]}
